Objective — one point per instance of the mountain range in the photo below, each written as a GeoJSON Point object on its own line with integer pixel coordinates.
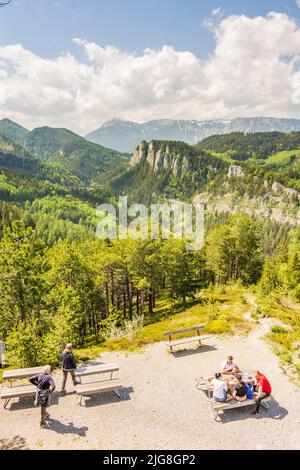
{"type": "Point", "coordinates": [257, 173]}
{"type": "Point", "coordinates": [50, 147]}
{"type": "Point", "coordinates": [124, 136]}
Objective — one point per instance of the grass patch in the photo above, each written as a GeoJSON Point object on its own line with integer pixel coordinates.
{"type": "Point", "coordinates": [283, 158]}
{"type": "Point", "coordinates": [224, 156]}
{"type": "Point", "coordinates": [284, 338]}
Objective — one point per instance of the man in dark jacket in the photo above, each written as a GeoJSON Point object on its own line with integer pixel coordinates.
{"type": "Point", "coordinates": [68, 367]}
{"type": "Point", "coordinates": [45, 386]}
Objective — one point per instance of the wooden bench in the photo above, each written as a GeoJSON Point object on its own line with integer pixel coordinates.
{"type": "Point", "coordinates": [192, 339]}
{"type": "Point", "coordinates": [22, 390]}
{"type": "Point", "coordinates": [216, 407]}
{"type": "Point", "coordinates": [17, 392]}
{"type": "Point", "coordinates": [100, 386]}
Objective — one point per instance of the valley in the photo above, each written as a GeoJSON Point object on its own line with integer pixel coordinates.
{"type": "Point", "coordinates": [95, 291]}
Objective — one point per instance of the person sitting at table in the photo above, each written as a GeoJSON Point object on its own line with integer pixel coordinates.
{"type": "Point", "coordinates": [228, 366]}
{"type": "Point", "coordinates": [221, 392]}
{"type": "Point", "coordinates": [239, 389]}
{"type": "Point", "coordinates": [262, 390]}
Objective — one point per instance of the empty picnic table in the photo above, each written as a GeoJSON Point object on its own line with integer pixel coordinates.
{"type": "Point", "coordinates": [100, 386]}
{"type": "Point", "coordinates": [190, 339]}
{"type": "Point", "coordinates": [95, 370]}
{"type": "Point", "coordinates": [19, 391]}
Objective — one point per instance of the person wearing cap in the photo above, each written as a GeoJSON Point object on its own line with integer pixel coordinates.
{"type": "Point", "coordinates": [45, 386]}
{"type": "Point", "coordinates": [68, 367]}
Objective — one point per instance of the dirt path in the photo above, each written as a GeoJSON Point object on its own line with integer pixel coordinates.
{"type": "Point", "coordinates": [161, 407]}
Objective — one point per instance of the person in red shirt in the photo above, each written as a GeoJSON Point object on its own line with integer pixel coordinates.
{"type": "Point", "coordinates": [262, 390]}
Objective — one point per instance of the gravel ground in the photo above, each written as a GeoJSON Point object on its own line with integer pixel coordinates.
{"type": "Point", "coordinates": [161, 407]}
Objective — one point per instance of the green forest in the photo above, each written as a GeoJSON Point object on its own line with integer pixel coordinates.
{"type": "Point", "coordinates": [59, 283]}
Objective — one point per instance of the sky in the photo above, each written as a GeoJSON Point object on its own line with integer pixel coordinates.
{"type": "Point", "coordinates": [77, 64]}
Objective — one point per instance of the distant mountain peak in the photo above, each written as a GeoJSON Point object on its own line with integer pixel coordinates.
{"type": "Point", "coordinates": [124, 136]}
{"type": "Point", "coordinates": [12, 130]}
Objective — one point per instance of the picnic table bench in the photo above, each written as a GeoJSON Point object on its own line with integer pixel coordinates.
{"type": "Point", "coordinates": [229, 405]}
{"type": "Point", "coordinates": [19, 391]}
{"type": "Point", "coordinates": [100, 386]}
{"type": "Point", "coordinates": [191, 339]}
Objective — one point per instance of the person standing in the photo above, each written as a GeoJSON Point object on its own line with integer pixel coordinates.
{"type": "Point", "coordinates": [45, 386]}
{"type": "Point", "coordinates": [263, 389]}
{"type": "Point", "coordinates": [68, 367]}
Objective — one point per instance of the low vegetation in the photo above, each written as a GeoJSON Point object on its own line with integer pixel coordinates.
{"type": "Point", "coordinates": [221, 309]}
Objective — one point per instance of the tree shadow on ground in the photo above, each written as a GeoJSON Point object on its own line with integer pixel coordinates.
{"type": "Point", "coordinates": [191, 352]}
{"type": "Point", "coordinates": [61, 428]}
{"type": "Point", "coordinates": [15, 443]}
{"type": "Point", "coordinates": [109, 397]}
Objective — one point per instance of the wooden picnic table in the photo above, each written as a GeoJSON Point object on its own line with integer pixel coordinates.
{"type": "Point", "coordinates": [204, 383]}
{"type": "Point", "coordinates": [22, 373]}
{"type": "Point", "coordinates": [95, 370]}
{"type": "Point", "coordinates": [190, 339]}
{"type": "Point", "coordinates": [19, 391]}
{"type": "Point", "coordinates": [100, 386]}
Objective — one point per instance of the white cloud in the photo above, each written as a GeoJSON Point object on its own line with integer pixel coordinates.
{"type": "Point", "coordinates": [298, 3]}
{"type": "Point", "coordinates": [218, 12]}
{"type": "Point", "coordinates": [254, 70]}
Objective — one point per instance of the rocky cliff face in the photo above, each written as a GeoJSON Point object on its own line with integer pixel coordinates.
{"type": "Point", "coordinates": [235, 171]}
{"type": "Point", "coordinates": [162, 157]}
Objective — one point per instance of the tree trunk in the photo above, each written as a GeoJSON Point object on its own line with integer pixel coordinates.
{"type": "Point", "coordinates": [106, 300]}
{"type": "Point", "coordinates": [137, 302]}
{"type": "Point", "coordinates": [150, 299]}
{"type": "Point", "coordinates": [112, 286]}
{"type": "Point", "coordinates": [129, 297]}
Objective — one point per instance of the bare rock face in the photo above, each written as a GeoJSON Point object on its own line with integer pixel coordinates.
{"type": "Point", "coordinates": [291, 193]}
{"type": "Point", "coordinates": [288, 192]}
{"type": "Point", "coordinates": [160, 157]}
{"type": "Point", "coordinates": [235, 171]}
{"type": "Point", "coordinates": [277, 187]}
{"type": "Point", "coordinates": [139, 155]}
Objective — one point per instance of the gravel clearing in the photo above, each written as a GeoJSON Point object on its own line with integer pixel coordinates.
{"type": "Point", "coordinates": [161, 407]}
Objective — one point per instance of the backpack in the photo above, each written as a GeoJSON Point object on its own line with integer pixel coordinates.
{"type": "Point", "coordinates": [249, 391]}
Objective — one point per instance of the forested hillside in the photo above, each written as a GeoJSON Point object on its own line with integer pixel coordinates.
{"type": "Point", "coordinates": [59, 283]}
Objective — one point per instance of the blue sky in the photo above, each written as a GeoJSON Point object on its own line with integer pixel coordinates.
{"type": "Point", "coordinates": [47, 27]}
{"type": "Point", "coordinates": [79, 63]}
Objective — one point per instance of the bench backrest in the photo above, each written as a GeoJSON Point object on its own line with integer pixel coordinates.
{"type": "Point", "coordinates": [185, 330]}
